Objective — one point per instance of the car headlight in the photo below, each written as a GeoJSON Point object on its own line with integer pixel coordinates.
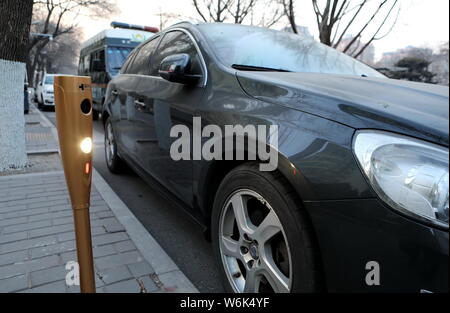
{"type": "Point", "coordinates": [408, 174]}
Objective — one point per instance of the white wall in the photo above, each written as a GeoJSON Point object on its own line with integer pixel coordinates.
{"type": "Point", "coordinates": [12, 121]}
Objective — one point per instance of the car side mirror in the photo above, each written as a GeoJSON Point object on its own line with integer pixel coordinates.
{"type": "Point", "coordinates": [97, 65]}
{"type": "Point", "coordinates": [175, 68]}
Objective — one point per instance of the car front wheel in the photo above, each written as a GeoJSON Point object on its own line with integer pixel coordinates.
{"type": "Point", "coordinates": [262, 239]}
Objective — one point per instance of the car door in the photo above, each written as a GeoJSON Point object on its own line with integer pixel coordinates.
{"type": "Point", "coordinates": [125, 90]}
{"type": "Point", "coordinates": [165, 104]}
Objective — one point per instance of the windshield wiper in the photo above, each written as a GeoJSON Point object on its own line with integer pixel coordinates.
{"type": "Point", "coordinates": [242, 67]}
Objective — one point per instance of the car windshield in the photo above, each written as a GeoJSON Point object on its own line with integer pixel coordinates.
{"type": "Point", "coordinates": [253, 48]}
{"type": "Point", "coordinates": [116, 57]}
{"type": "Point", "coordinates": [49, 80]}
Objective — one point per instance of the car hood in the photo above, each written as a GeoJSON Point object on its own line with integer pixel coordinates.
{"type": "Point", "coordinates": [415, 109]}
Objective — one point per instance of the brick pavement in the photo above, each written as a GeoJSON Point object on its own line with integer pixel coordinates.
{"type": "Point", "coordinates": [37, 239]}
{"type": "Point", "coordinates": [37, 236]}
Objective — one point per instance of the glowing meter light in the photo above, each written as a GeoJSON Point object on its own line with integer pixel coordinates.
{"type": "Point", "coordinates": [137, 27]}
{"type": "Point", "coordinates": [86, 145]}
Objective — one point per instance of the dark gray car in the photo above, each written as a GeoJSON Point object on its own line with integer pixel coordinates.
{"type": "Point", "coordinates": [359, 199]}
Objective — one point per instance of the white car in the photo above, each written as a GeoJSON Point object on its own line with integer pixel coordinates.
{"type": "Point", "coordinates": [45, 93]}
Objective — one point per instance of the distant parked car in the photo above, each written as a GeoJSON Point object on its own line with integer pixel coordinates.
{"type": "Point", "coordinates": [44, 92]}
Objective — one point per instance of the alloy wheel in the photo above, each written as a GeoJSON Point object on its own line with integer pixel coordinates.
{"type": "Point", "coordinates": [253, 246]}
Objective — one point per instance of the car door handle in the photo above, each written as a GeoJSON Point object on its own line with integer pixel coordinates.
{"type": "Point", "coordinates": [140, 104]}
{"type": "Point", "coordinates": [115, 93]}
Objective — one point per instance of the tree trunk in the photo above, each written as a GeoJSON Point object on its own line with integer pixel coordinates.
{"type": "Point", "coordinates": [292, 17]}
{"type": "Point", "coordinates": [14, 34]}
{"type": "Point", "coordinates": [35, 61]}
{"type": "Point", "coordinates": [325, 35]}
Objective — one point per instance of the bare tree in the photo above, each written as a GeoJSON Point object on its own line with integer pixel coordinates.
{"type": "Point", "coordinates": [240, 10]}
{"type": "Point", "coordinates": [440, 65]}
{"type": "Point", "coordinates": [58, 17]}
{"type": "Point", "coordinates": [14, 34]}
{"type": "Point", "coordinates": [61, 54]}
{"type": "Point", "coordinates": [213, 10]}
{"type": "Point", "coordinates": [272, 13]}
{"type": "Point", "coordinates": [255, 12]}
{"type": "Point", "coordinates": [166, 18]}
{"type": "Point", "coordinates": [336, 17]}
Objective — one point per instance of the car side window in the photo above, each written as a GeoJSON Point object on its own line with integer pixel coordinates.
{"type": "Point", "coordinates": [97, 55]}
{"type": "Point", "coordinates": [80, 66]}
{"type": "Point", "coordinates": [128, 61]}
{"type": "Point", "coordinates": [140, 64]}
{"type": "Point", "coordinates": [87, 60]}
{"type": "Point", "coordinates": [176, 42]}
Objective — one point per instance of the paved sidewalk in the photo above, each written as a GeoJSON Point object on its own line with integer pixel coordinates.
{"type": "Point", "coordinates": [38, 133]}
{"type": "Point", "coordinates": [37, 237]}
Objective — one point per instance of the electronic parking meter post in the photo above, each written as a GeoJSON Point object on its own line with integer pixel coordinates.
{"type": "Point", "coordinates": [73, 106]}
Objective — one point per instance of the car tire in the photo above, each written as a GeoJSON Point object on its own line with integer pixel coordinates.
{"type": "Point", "coordinates": [113, 160]}
{"type": "Point", "coordinates": [271, 206]}
{"type": "Point", "coordinates": [95, 115]}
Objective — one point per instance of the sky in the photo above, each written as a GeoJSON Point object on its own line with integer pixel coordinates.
{"type": "Point", "coordinates": [420, 23]}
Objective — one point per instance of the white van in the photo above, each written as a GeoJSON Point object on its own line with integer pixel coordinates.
{"type": "Point", "coordinates": [44, 92]}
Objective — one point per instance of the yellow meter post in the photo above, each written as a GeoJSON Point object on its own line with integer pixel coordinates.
{"type": "Point", "coordinates": [73, 106]}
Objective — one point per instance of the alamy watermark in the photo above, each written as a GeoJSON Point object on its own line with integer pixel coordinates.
{"type": "Point", "coordinates": [73, 274]}
{"type": "Point", "coordinates": [373, 274]}
{"type": "Point", "coordinates": [259, 142]}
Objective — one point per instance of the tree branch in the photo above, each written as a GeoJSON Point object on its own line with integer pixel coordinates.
{"type": "Point", "coordinates": [365, 26]}
{"type": "Point", "coordinates": [379, 28]}
{"type": "Point", "coordinates": [350, 23]}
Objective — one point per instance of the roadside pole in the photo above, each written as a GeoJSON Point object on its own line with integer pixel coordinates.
{"type": "Point", "coordinates": [73, 107]}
